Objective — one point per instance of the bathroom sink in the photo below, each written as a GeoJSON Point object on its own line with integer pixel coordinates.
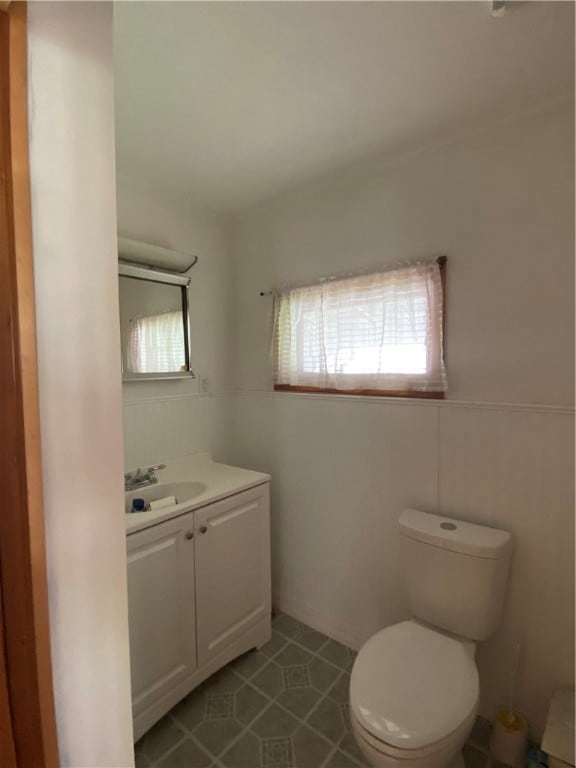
{"type": "Point", "coordinates": [183, 491]}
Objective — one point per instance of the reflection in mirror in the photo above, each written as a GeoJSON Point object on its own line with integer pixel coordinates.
{"type": "Point", "coordinates": [153, 324]}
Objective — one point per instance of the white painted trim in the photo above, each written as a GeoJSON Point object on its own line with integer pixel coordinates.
{"type": "Point", "coordinates": [564, 410]}
{"type": "Point", "coordinates": [151, 274]}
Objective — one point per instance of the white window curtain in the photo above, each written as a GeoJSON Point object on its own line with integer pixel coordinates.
{"type": "Point", "coordinates": [156, 344]}
{"type": "Point", "coordinates": [376, 331]}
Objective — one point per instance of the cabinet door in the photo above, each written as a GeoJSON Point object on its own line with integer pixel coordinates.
{"type": "Point", "coordinates": [232, 569]}
{"type": "Point", "coordinates": [161, 608]}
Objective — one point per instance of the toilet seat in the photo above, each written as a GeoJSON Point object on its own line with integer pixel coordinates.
{"type": "Point", "coordinates": [413, 687]}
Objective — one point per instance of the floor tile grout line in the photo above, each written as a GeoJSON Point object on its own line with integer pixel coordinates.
{"type": "Point", "coordinates": [244, 729]}
{"type": "Point", "coordinates": [188, 734]}
{"type": "Point", "coordinates": [247, 680]}
{"type": "Point", "coordinates": [304, 720]}
{"type": "Point", "coordinates": [206, 752]}
{"type": "Point", "coordinates": [323, 697]}
{"type": "Point", "coordinates": [168, 751]}
{"type": "Point", "coordinates": [248, 727]}
{"type": "Point", "coordinates": [329, 757]}
{"type": "Point", "coordinates": [314, 653]}
{"type": "Point", "coordinates": [336, 745]}
{"type": "Point", "coordinates": [322, 694]}
{"type": "Point", "coordinates": [184, 735]}
{"type": "Point", "coordinates": [271, 702]}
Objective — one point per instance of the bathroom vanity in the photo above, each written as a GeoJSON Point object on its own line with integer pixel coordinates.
{"type": "Point", "coordinates": [198, 580]}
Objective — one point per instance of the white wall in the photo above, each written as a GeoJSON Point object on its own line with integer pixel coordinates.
{"type": "Point", "coordinates": [499, 450]}
{"type": "Point", "coordinates": [163, 420]}
{"type": "Point", "coordinates": [74, 231]}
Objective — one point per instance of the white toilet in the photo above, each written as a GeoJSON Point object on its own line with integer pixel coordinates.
{"type": "Point", "coordinates": [414, 685]}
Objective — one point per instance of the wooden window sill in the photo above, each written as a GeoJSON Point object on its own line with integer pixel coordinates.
{"type": "Point", "coordinates": [361, 392]}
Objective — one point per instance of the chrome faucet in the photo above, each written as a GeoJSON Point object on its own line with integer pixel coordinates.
{"type": "Point", "coordinates": [141, 478]}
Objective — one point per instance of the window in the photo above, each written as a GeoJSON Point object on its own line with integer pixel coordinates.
{"type": "Point", "coordinates": [379, 333]}
{"type": "Point", "coordinates": [156, 344]}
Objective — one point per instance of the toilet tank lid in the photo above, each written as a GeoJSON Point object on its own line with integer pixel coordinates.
{"type": "Point", "coordinates": [455, 535]}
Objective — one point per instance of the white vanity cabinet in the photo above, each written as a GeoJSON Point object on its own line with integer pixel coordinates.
{"type": "Point", "coordinates": [198, 596]}
{"type": "Point", "coordinates": [232, 570]}
{"type": "Point", "coordinates": [161, 608]}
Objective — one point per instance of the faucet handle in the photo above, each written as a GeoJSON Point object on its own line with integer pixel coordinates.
{"type": "Point", "coordinates": [156, 467]}
{"type": "Point", "coordinates": [130, 478]}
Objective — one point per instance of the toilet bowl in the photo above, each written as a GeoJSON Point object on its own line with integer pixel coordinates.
{"type": "Point", "coordinates": [445, 755]}
{"type": "Point", "coordinates": [413, 697]}
{"type": "Point", "coordinates": [414, 685]}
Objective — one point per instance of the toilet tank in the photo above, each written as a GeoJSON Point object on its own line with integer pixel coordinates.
{"type": "Point", "coordinates": [456, 572]}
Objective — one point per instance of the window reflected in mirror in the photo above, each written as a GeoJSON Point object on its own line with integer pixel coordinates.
{"type": "Point", "coordinates": [154, 327]}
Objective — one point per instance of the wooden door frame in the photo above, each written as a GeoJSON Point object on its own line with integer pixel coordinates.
{"type": "Point", "coordinates": [28, 725]}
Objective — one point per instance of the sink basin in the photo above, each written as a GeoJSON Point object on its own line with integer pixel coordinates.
{"type": "Point", "coordinates": [185, 491]}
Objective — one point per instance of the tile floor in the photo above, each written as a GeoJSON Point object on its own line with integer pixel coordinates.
{"type": "Point", "coordinates": [284, 706]}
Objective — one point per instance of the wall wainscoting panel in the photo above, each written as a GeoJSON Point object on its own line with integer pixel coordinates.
{"type": "Point", "coordinates": [157, 429]}
{"type": "Point", "coordinates": [515, 470]}
{"type": "Point", "coordinates": [344, 468]}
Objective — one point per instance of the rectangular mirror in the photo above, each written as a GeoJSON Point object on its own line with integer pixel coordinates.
{"type": "Point", "coordinates": [154, 324]}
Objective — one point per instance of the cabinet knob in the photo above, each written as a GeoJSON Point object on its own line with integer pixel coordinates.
{"type": "Point", "coordinates": [203, 528]}
{"type": "Point", "coordinates": [189, 534]}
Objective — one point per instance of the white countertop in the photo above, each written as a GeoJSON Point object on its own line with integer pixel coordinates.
{"type": "Point", "coordinates": [220, 480]}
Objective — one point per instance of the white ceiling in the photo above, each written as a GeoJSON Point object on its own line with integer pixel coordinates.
{"type": "Point", "coordinates": [226, 103]}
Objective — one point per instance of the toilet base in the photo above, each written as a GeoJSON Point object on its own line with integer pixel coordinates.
{"type": "Point", "coordinates": [456, 762]}
{"type": "Point", "coordinates": [445, 754]}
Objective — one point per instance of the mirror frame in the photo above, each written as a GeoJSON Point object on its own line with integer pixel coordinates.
{"type": "Point", "coordinates": [157, 276]}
